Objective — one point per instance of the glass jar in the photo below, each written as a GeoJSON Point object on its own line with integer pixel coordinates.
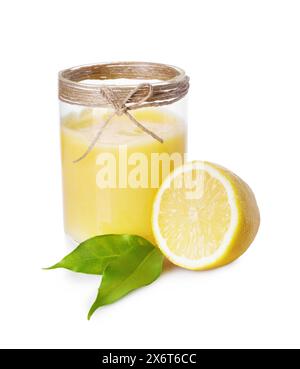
{"type": "Point", "coordinates": [123, 129]}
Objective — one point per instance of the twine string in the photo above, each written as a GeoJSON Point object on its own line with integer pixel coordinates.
{"type": "Point", "coordinates": [74, 89]}
{"type": "Point", "coordinates": [120, 108]}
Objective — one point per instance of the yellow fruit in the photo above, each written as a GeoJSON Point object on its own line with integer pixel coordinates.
{"type": "Point", "coordinates": [204, 216]}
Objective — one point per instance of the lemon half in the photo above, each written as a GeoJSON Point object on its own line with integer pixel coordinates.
{"type": "Point", "coordinates": [204, 216]}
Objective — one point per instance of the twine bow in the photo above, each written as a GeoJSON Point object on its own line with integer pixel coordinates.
{"type": "Point", "coordinates": [122, 107]}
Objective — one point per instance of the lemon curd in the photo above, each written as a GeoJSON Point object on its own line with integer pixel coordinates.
{"type": "Point", "coordinates": [104, 192]}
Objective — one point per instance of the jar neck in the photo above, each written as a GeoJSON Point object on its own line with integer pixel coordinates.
{"type": "Point", "coordinates": [172, 86]}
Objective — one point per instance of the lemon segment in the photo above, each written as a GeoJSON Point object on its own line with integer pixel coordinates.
{"type": "Point", "coordinates": [204, 216]}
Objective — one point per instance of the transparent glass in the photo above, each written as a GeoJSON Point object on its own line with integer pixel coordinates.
{"type": "Point", "coordinates": [112, 189]}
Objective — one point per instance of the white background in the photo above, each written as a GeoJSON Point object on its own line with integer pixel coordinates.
{"type": "Point", "coordinates": [244, 62]}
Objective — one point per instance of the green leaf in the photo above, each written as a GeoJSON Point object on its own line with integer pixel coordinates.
{"type": "Point", "coordinates": [140, 266]}
{"type": "Point", "coordinates": [93, 255]}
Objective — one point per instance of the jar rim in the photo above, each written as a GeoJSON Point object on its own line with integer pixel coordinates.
{"type": "Point", "coordinates": [172, 82]}
{"type": "Point", "coordinates": [79, 73]}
